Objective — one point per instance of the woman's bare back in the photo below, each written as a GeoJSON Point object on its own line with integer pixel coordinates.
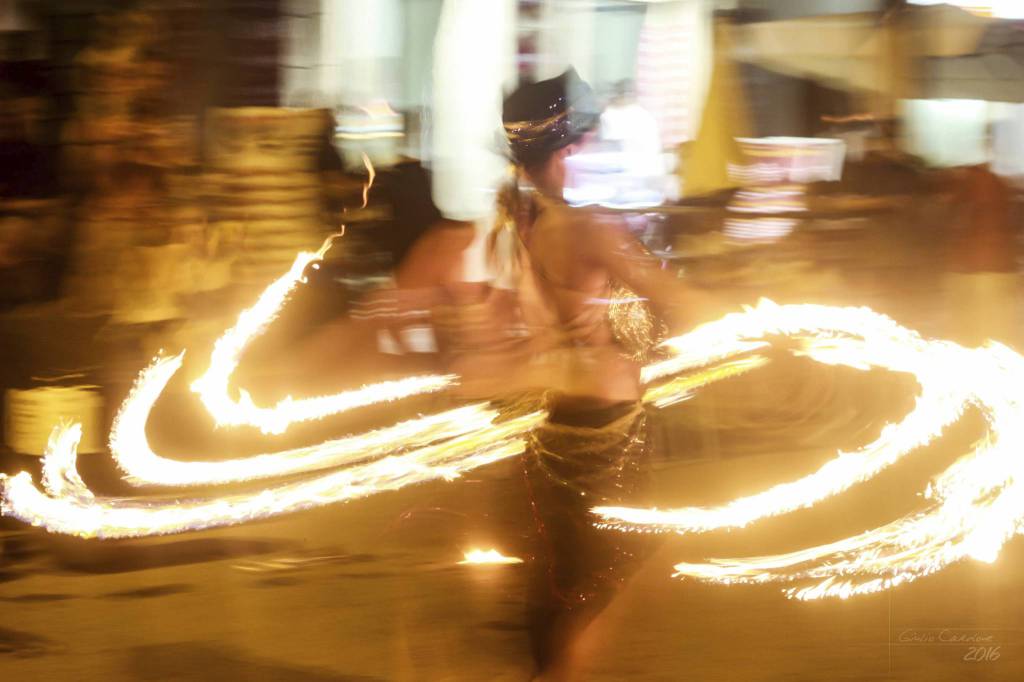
{"type": "Point", "coordinates": [577, 287]}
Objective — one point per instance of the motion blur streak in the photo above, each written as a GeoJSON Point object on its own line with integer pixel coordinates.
{"type": "Point", "coordinates": [976, 505]}
{"type": "Point", "coordinates": [977, 502]}
{"type": "Point", "coordinates": [476, 557]}
{"type": "Point", "coordinates": [77, 512]}
{"type": "Point", "coordinates": [213, 386]}
{"type": "Point", "coordinates": [133, 454]}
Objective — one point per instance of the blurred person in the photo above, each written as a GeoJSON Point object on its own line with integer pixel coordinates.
{"type": "Point", "coordinates": [444, 307]}
{"type": "Point", "coordinates": [981, 279]}
{"type": "Point", "coordinates": [631, 129]}
{"type": "Point", "coordinates": [445, 311]}
{"type": "Point", "coordinates": [26, 155]}
{"type": "Point", "coordinates": [31, 231]}
{"type": "Point", "coordinates": [623, 164]}
{"type": "Point", "coordinates": [592, 449]}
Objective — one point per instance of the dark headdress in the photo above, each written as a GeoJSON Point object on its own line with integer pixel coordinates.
{"type": "Point", "coordinates": [542, 117]}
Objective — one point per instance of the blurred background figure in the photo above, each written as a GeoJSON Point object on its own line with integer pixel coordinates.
{"type": "Point", "coordinates": [31, 225]}
{"type": "Point", "coordinates": [982, 283]}
{"type": "Point", "coordinates": [442, 303]}
{"type": "Point", "coordinates": [622, 165]}
{"type": "Point", "coordinates": [628, 127]}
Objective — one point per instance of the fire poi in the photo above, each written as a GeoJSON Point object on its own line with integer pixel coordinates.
{"type": "Point", "coordinates": [973, 507]}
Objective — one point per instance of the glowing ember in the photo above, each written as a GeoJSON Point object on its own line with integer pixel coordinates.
{"type": "Point", "coordinates": [489, 556]}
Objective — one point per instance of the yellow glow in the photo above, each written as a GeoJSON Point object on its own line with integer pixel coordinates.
{"type": "Point", "coordinates": [436, 446]}
{"type": "Point", "coordinates": [681, 388]}
{"type": "Point", "coordinates": [489, 556]}
{"type": "Point", "coordinates": [369, 136]}
{"type": "Point", "coordinates": [75, 511]}
{"type": "Point", "coordinates": [133, 454]}
{"type": "Point", "coordinates": [213, 386]}
{"type": "Point", "coordinates": [971, 509]}
{"type": "Point", "coordinates": [974, 507]}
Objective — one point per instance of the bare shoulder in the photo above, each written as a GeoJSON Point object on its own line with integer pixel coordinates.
{"type": "Point", "coordinates": [607, 238]}
{"type": "Point", "coordinates": [599, 231]}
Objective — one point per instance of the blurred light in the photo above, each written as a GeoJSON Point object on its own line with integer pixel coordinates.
{"type": "Point", "coordinates": [973, 507]}
{"type": "Point", "coordinates": [1000, 9]}
{"type": "Point", "coordinates": [1008, 9]}
{"type": "Point", "coordinates": [489, 556]}
{"type": "Point", "coordinates": [947, 132]}
{"type": "Point", "coordinates": [473, 56]}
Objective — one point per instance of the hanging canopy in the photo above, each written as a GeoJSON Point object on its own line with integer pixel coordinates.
{"type": "Point", "coordinates": [994, 72]}
{"type": "Point", "coordinates": [871, 53]}
{"type": "Point", "coordinates": [724, 119]}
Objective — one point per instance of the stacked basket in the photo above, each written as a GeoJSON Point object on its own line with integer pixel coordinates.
{"type": "Point", "coordinates": [264, 186]}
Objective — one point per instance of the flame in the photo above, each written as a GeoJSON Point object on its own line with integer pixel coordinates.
{"type": "Point", "coordinates": [976, 504]}
{"type": "Point", "coordinates": [973, 508]}
{"type": "Point", "coordinates": [134, 456]}
{"type": "Point", "coordinates": [213, 386]}
{"type": "Point", "coordinates": [436, 446]}
{"type": "Point", "coordinates": [488, 556]}
{"type": "Point", "coordinates": [78, 512]}
{"type": "Point", "coordinates": [681, 388]}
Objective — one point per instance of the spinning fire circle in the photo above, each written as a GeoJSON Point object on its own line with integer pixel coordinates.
{"type": "Point", "coordinates": [972, 508]}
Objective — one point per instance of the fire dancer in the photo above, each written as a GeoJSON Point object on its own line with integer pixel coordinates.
{"type": "Point", "coordinates": [592, 449]}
